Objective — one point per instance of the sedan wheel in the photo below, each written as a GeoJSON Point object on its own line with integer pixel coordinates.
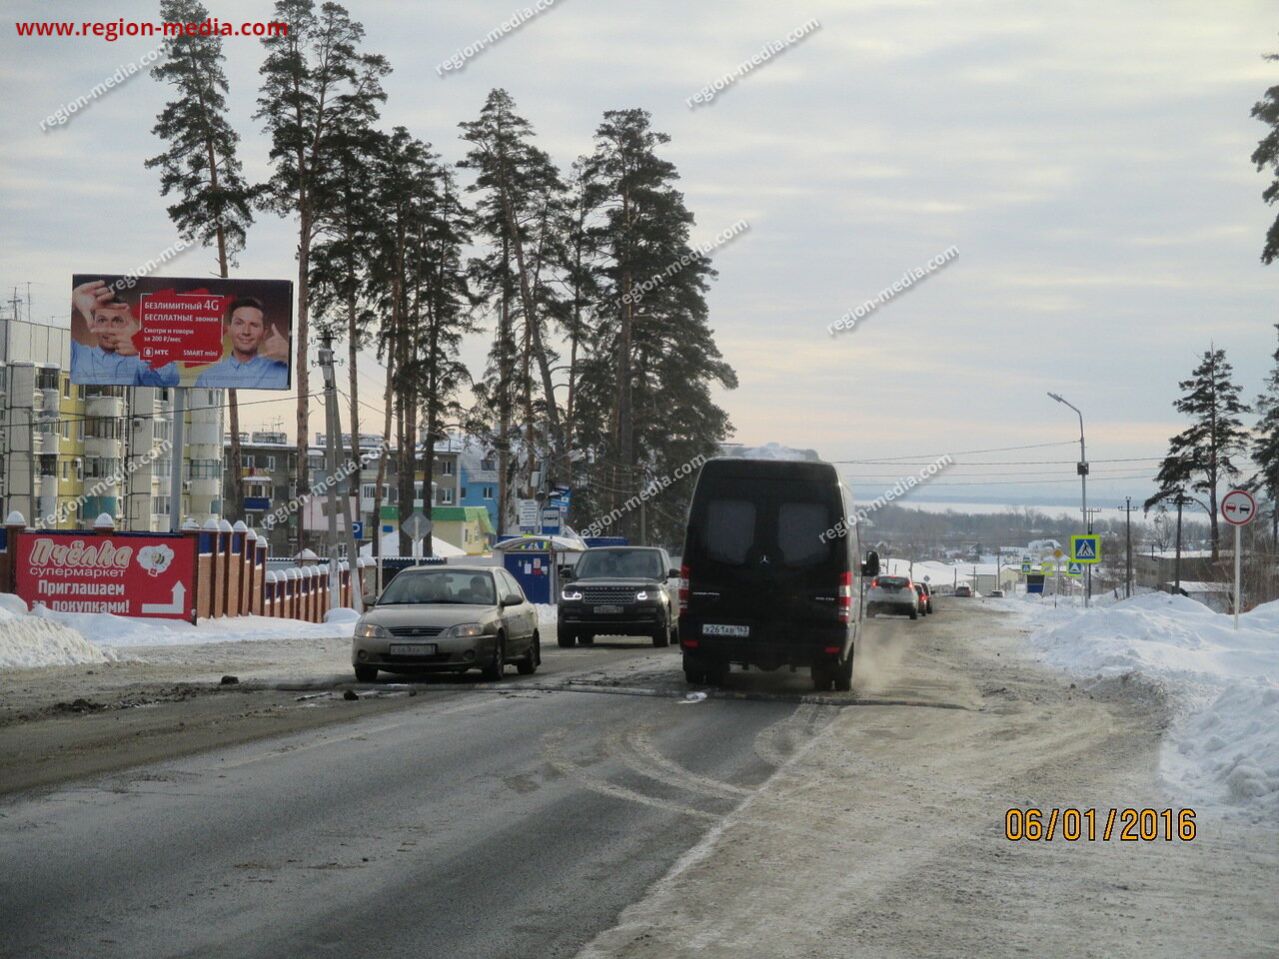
{"type": "Point", "coordinates": [493, 671]}
{"type": "Point", "coordinates": [528, 665]}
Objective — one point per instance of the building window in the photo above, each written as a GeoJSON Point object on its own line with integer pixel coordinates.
{"type": "Point", "coordinates": [79, 429]}
{"type": "Point", "coordinates": [66, 470]}
{"type": "Point", "coordinates": [270, 462]}
{"type": "Point", "coordinates": [462, 493]}
{"type": "Point", "coordinates": [447, 468]}
{"type": "Point", "coordinates": [79, 392]}
{"type": "Point", "coordinates": [488, 492]}
{"type": "Point", "coordinates": [79, 468]}
{"type": "Point", "coordinates": [487, 464]}
{"type": "Point", "coordinates": [248, 460]}
{"type": "Point", "coordinates": [446, 496]}
{"type": "Point", "coordinates": [66, 387]}
{"type": "Point", "coordinates": [368, 490]}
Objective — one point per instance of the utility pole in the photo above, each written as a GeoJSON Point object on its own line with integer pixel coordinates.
{"type": "Point", "coordinates": [1082, 469]}
{"type": "Point", "coordinates": [1177, 562]}
{"type": "Point", "coordinates": [331, 463]}
{"type": "Point", "coordinates": [1128, 538]}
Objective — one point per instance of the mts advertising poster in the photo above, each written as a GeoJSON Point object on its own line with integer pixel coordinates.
{"type": "Point", "coordinates": [166, 331]}
{"type": "Point", "coordinates": [126, 575]}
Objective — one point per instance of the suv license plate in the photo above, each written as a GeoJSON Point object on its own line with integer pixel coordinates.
{"type": "Point", "coordinates": [713, 629]}
{"type": "Point", "coordinates": [413, 649]}
{"type": "Point", "coordinates": [608, 609]}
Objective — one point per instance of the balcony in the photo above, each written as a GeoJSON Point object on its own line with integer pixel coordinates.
{"type": "Point", "coordinates": [102, 448]}
{"type": "Point", "coordinates": [110, 406]}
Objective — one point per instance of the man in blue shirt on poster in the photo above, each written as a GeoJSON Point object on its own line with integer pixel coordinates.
{"type": "Point", "coordinates": [102, 352]}
{"type": "Point", "coordinates": [256, 348]}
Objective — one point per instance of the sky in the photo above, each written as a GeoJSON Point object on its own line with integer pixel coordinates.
{"type": "Point", "coordinates": [1089, 161]}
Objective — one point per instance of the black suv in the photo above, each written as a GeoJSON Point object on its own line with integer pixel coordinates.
{"type": "Point", "coordinates": [621, 591]}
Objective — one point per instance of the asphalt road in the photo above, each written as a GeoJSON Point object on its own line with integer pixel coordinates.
{"type": "Point", "coordinates": [471, 822]}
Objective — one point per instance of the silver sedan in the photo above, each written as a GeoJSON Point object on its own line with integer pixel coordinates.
{"type": "Point", "coordinates": [448, 619]}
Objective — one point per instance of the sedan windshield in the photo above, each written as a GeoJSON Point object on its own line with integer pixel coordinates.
{"type": "Point", "coordinates": [621, 564]}
{"type": "Point", "coordinates": [442, 586]}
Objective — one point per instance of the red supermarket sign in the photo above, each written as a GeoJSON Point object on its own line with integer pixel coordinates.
{"type": "Point", "coordinates": [125, 575]}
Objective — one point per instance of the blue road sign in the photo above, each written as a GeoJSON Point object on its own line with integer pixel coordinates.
{"type": "Point", "coordinates": [1085, 549]}
{"type": "Point", "coordinates": [357, 527]}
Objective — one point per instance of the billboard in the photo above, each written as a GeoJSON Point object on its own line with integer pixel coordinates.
{"type": "Point", "coordinates": [166, 331]}
{"type": "Point", "coordinates": [128, 575]}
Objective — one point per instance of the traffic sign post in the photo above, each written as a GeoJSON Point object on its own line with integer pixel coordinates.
{"type": "Point", "coordinates": [1238, 508]}
{"type": "Point", "coordinates": [417, 527]}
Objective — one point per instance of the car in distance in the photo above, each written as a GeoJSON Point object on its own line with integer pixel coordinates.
{"type": "Point", "coordinates": [448, 619]}
{"type": "Point", "coordinates": [926, 598]}
{"type": "Point", "coordinates": [620, 591]}
{"type": "Point", "coordinates": [892, 594]}
{"type": "Point", "coordinates": [964, 592]}
{"type": "Point", "coordinates": [770, 572]}
{"type": "Point", "coordinates": [921, 599]}
{"type": "Point", "coordinates": [996, 594]}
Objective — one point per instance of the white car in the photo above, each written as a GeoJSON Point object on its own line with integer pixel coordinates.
{"type": "Point", "coordinates": [892, 594]}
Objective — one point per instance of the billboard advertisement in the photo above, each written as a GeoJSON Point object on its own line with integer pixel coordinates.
{"type": "Point", "coordinates": [130, 575]}
{"type": "Point", "coordinates": [166, 331]}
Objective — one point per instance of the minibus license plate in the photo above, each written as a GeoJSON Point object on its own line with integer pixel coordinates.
{"type": "Point", "coordinates": [714, 629]}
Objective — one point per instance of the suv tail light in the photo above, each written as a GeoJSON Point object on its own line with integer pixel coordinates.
{"type": "Point", "coordinates": [844, 602]}
{"type": "Point", "coordinates": [874, 583]}
{"type": "Point", "coordinates": [684, 575]}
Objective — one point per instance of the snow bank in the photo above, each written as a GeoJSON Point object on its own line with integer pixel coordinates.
{"type": "Point", "coordinates": [1223, 746]}
{"type": "Point", "coordinates": [28, 642]}
{"type": "Point", "coordinates": [119, 631]}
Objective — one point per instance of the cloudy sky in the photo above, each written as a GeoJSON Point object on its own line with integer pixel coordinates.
{"type": "Point", "coordinates": [1089, 160]}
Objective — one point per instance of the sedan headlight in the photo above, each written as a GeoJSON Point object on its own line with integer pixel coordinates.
{"type": "Point", "coordinates": [464, 631]}
{"type": "Point", "coordinates": [370, 631]}
{"type": "Point", "coordinates": [570, 595]}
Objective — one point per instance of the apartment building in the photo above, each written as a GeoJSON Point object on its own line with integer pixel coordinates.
{"type": "Point", "coordinates": [74, 452]}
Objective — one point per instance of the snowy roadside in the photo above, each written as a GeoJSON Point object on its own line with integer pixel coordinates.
{"type": "Point", "coordinates": [1223, 745]}
{"type": "Point", "coordinates": [46, 638]}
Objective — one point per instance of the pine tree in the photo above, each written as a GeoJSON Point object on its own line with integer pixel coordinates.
{"type": "Point", "coordinates": [1267, 155]}
{"type": "Point", "coordinates": [201, 167]}
{"type": "Point", "coordinates": [1202, 456]}
{"type": "Point", "coordinates": [341, 258]}
{"type": "Point", "coordinates": [644, 404]}
{"type": "Point", "coordinates": [1265, 446]}
{"type": "Point", "coordinates": [520, 210]}
{"type": "Point", "coordinates": [311, 77]}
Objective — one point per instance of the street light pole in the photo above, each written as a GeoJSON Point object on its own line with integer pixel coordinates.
{"type": "Point", "coordinates": [1082, 469]}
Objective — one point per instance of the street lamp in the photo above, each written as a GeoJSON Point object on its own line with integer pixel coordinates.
{"type": "Point", "coordinates": [1082, 469]}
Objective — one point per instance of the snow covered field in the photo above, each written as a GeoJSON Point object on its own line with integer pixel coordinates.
{"type": "Point", "coordinates": [1223, 746]}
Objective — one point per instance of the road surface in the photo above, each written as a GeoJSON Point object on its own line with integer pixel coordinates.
{"type": "Point", "coordinates": [591, 809]}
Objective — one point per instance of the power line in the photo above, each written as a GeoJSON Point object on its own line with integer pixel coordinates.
{"type": "Point", "coordinates": [933, 457]}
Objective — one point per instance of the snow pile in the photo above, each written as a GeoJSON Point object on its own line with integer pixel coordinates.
{"type": "Point", "coordinates": [120, 631]}
{"type": "Point", "coordinates": [28, 642]}
{"type": "Point", "coordinates": [1223, 745]}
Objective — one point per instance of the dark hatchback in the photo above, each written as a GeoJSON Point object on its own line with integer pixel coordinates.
{"type": "Point", "coordinates": [620, 591]}
{"type": "Point", "coordinates": [770, 574]}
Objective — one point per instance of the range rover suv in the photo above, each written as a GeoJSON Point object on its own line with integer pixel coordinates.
{"type": "Point", "coordinates": [620, 591]}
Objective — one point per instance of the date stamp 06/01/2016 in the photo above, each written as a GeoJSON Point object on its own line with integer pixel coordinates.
{"type": "Point", "coordinates": [1092, 824]}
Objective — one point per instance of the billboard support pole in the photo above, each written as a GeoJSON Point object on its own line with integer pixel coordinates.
{"type": "Point", "coordinates": [177, 451]}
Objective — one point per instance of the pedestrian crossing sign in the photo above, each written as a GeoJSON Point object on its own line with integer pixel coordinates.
{"type": "Point", "coordinates": [1074, 569]}
{"type": "Point", "coordinates": [1085, 549]}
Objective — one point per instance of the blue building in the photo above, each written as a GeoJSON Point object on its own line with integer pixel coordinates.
{"type": "Point", "coordinates": [477, 479]}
